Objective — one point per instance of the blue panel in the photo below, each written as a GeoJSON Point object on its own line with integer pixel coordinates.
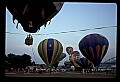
{"type": "Point", "coordinates": [50, 47]}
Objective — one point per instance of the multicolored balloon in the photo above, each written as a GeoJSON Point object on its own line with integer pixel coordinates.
{"type": "Point", "coordinates": [83, 62]}
{"type": "Point", "coordinates": [74, 56]}
{"type": "Point", "coordinates": [50, 51]}
{"type": "Point", "coordinates": [94, 47]}
{"type": "Point", "coordinates": [69, 49]}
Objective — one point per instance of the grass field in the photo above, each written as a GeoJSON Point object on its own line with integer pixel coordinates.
{"type": "Point", "coordinates": [63, 75]}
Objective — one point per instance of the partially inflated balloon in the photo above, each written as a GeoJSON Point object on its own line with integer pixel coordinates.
{"type": "Point", "coordinates": [50, 51]}
{"type": "Point", "coordinates": [74, 56]}
{"type": "Point", "coordinates": [69, 49]}
{"type": "Point", "coordinates": [94, 47]}
{"type": "Point", "coordinates": [83, 62]}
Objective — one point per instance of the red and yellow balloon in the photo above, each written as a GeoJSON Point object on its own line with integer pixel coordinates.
{"type": "Point", "coordinates": [50, 51]}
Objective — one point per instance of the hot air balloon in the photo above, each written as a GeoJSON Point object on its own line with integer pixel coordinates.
{"type": "Point", "coordinates": [94, 47]}
{"type": "Point", "coordinates": [50, 51]}
{"type": "Point", "coordinates": [32, 14]}
{"type": "Point", "coordinates": [83, 62]}
{"type": "Point", "coordinates": [74, 56]}
{"type": "Point", "coordinates": [69, 49]}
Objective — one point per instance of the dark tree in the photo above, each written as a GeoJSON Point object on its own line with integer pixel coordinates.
{"type": "Point", "coordinates": [26, 60]}
{"type": "Point", "coordinates": [17, 61]}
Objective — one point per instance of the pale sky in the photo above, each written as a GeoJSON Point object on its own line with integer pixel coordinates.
{"type": "Point", "coordinates": [73, 16]}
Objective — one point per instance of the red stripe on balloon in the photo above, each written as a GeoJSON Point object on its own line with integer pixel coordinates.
{"type": "Point", "coordinates": [56, 51]}
{"type": "Point", "coordinates": [98, 51]}
{"type": "Point", "coordinates": [91, 52]}
{"type": "Point", "coordinates": [88, 36]}
{"type": "Point", "coordinates": [95, 35]}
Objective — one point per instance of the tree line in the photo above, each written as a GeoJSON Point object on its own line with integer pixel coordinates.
{"type": "Point", "coordinates": [17, 61]}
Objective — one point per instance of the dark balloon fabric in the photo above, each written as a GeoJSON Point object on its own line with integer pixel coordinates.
{"type": "Point", "coordinates": [94, 47]}
{"type": "Point", "coordinates": [32, 14]}
{"type": "Point", "coordinates": [83, 62]}
{"type": "Point", "coordinates": [50, 51]}
{"type": "Point", "coordinates": [56, 64]}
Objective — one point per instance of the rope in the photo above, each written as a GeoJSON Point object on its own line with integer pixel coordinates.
{"type": "Point", "coordinates": [33, 54]}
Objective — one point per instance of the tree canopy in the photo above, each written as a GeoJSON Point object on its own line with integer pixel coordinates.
{"type": "Point", "coordinates": [17, 61]}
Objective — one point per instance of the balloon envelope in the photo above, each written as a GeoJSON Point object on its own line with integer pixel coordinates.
{"type": "Point", "coordinates": [94, 47]}
{"type": "Point", "coordinates": [83, 62]}
{"type": "Point", "coordinates": [74, 56]}
{"type": "Point", "coordinates": [69, 49]}
{"type": "Point", "coordinates": [32, 14]}
{"type": "Point", "coordinates": [50, 51]}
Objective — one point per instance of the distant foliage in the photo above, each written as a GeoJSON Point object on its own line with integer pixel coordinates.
{"type": "Point", "coordinates": [17, 61]}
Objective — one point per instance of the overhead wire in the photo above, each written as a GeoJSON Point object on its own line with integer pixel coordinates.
{"type": "Point", "coordinates": [14, 33]}
{"type": "Point", "coordinates": [72, 31]}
